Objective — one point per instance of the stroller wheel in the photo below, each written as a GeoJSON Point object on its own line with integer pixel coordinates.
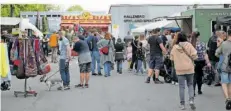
{"type": "Point", "coordinates": [167, 79]}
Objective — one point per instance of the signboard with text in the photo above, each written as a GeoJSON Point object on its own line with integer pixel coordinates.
{"type": "Point", "coordinates": [137, 19]}
{"type": "Point", "coordinates": [86, 17]}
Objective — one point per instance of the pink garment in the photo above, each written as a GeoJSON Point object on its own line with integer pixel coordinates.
{"type": "Point", "coordinates": [129, 53]}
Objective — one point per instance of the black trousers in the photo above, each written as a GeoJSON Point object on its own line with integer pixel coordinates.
{"type": "Point", "coordinates": [134, 61]}
{"type": "Point", "coordinates": [45, 51]}
{"type": "Point", "coordinates": [198, 74]}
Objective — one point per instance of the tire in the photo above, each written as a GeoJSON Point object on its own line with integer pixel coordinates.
{"type": "Point", "coordinates": [167, 79]}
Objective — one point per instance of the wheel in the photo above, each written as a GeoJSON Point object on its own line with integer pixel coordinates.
{"type": "Point", "coordinates": [35, 94]}
{"type": "Point", "coordinates": [25, 95]}
{"type": "Point", "coordinates": [167, 79]}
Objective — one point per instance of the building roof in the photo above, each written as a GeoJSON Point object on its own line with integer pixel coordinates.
{"type": "Point", "coordinates": [135, 5]}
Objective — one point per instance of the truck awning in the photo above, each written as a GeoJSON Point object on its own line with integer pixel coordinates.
{"type": "Point", "coordinates": [173, 18]}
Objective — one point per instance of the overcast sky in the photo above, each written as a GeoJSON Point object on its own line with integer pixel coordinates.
{"type": "Point", "coordinates": [103, 5]}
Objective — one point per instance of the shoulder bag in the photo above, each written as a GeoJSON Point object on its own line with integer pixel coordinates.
{"type": "Point", "coordinates": [105, 50]}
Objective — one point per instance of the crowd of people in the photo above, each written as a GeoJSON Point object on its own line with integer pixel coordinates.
{"type": "Point", "coordinates": [188, 55]}
{"type": "Point", "coordinates": [147, 52]}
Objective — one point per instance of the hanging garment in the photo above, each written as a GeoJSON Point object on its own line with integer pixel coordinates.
{"type": "Point", "coordinates": [43, 66]}
{"type": "Point", "coordinates": [20, 73]}
{"type": "Point", "coordinates": [4, 67]}
{"type": "Point", "coordinates": [8, 77]}
{"type": "Point", "coordinates": [31, 67]}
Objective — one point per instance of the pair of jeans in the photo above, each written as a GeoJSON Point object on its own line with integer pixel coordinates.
{"type": "Point", "coordinates": [139, 66]}
{"type": "Point", "coordinates": [95, 56]}
{"type": "Point", "coordinates": [189, 79]}
{"type": "Point", "coordinates": [217, 75]}
{"type": "Point", "coordinates": [198, 74]}
{"type": "Point", "coordinates": [107, 68]}
{"type": "Point", "coordinates": [64, 71]}
{"type": "Point", "coordinates": [119, 65]}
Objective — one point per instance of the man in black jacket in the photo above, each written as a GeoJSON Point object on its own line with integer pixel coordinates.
{"type": "Point", "coordinates": [212, 47]}
{"type": "Point", "coordinates": [134, 49]}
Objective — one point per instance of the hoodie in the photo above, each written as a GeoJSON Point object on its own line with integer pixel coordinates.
{"type": "Point", "coordinates": [182, 62]}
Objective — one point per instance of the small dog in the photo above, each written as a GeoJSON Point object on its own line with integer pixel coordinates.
{"type": "Point", "coordinates": [51, 82]}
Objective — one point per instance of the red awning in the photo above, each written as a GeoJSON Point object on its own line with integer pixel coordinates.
{"type": "Point", "coordinates": [95, 25]}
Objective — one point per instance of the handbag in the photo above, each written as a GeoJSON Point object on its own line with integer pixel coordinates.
{"type": "Point", "coordinates": [105, 50]}
{"type": "Point", "coordinates": [73, 53]}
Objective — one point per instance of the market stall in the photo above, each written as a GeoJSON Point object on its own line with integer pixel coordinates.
{"type": "Point", "coordinates": [87, 21]}
{"type": "Point", "coordinates": [23, 24]}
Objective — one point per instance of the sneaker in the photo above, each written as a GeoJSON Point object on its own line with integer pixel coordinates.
{"type": "Point", "coordinates": [200, 93]}
{"type": "Point", "coordinates": [86, 85]}
{"type": "Point", "coordinates": [94, 74]}
{"type": "Point", "coordinates": [173, 83]}
{"type": "Point", "coordinates": [217, 84]}
{"type": "Point", "coordinates": [79, 86]}
{"type": "Point", "coordinates": [148, 80]}
{"type": "Point", "coordinates": [100, 74]}
{"type": "Point", "coordinates": [66, 88]}
{"type": "Point", "coordinates": [182, 107]}
{"type": "Point", "coordinates": [192, 105]}
{"type": "Point", "coordinates": [105, 76]}
{"type": "Point", "coordinates": [228, 104]}
{"type": "Point", "coordinates": [157, 81]}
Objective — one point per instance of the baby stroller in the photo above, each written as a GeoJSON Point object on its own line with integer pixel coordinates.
{"type": "Point", "coordinates": [166, 70]}
{"type": "Point", "coordinates": [209, 75]}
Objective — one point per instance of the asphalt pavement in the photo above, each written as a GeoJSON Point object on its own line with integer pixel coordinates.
{"type": "Point", "coordinates": [125, 92]}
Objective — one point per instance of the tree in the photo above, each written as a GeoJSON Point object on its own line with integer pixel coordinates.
{"type": "Point", "coordinates": [17, 8]}
{"type": "Point", "coordinates": [75, 8]}
{"type": "Point", "coordinates": [45, 25]}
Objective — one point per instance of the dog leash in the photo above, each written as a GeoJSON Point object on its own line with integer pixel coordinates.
{"type": "Point", "coordinates": [52, 75]}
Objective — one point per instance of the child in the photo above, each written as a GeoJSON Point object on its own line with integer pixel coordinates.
{"type": "Point", "coordinates": [140, 58]}
{"type": "Point", "coordinates": [129, 54]}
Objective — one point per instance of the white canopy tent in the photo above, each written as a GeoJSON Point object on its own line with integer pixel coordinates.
{"type": "Point", "coordinates": [23, 24]}
{"type": "Point", "coordinates": [159, 24]}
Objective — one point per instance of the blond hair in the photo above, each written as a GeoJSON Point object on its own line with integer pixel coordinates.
{"type": "Point", "coordinates": [107, 36]}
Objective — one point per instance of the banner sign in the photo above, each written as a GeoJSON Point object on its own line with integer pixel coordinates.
{"type": "Point", "coordinates": [86, 17]}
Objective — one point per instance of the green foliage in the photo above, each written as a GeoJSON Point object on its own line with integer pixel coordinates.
{"type": "Point", "coordinates": [5, 9]}
{"type": "Point", "coordinates": [45, 25]}
{"type": "Point", "coordinates": [75, 8]}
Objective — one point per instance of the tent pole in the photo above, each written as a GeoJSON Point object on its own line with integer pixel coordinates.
{"type": "Point", "coordinates": [177, 23]}
{"type": "Point", "coordinates": [188, 24]}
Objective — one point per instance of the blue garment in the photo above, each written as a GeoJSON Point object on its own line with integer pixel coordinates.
{"type": "Point", "coordinates": [107, 68]}
{"type": "Point", "coordinates": [95, 56]}
{"type": "Point", "coordinates": [119, 66]}
{"type": "Point", "coordinates": [63, 47]}
{"type": "Point", "coordinates": [221, 59]}
{"type": "Point", "coordinates": [95, 40]}
{"type": "Point", "coordinates": [139, 66]}
{"type": "Point", "coordinates": [225, 78]}
{"type": "Point", "coordinates": [64, 71]}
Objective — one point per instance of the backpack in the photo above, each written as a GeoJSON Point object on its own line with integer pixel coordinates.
{"type": "Point", "coordinates": [228, 67]}
{"type": "Point", "coordinates": [212, 45]}
{"type": "Point", "coordinates": [92, 43]}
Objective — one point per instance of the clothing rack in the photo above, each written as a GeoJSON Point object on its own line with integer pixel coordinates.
{"type": "Point", "coordinates": [26, 92]}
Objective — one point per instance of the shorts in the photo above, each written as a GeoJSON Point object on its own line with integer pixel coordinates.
{"type": "Point", "coordinates": [225, 78]}
{"type": "Point", "coordinates": [85, 67]}
{"type": "Point", "coordinates": [156, 62]}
